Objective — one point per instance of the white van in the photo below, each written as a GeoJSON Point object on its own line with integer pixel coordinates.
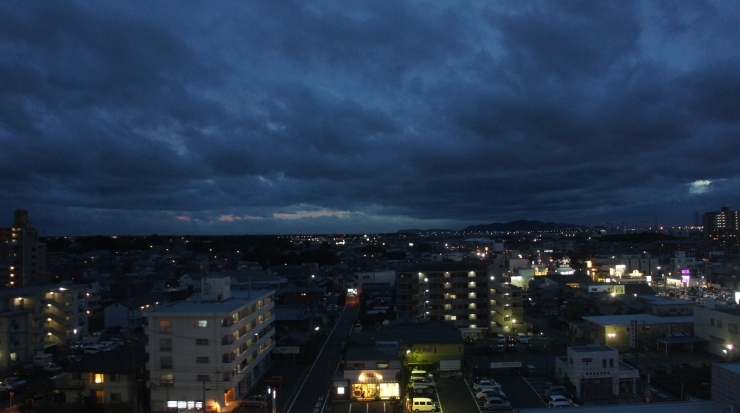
{"type": "Point", "coordinates": [522, 338]}
{"type": "Point", "coordinates": [422, 404]}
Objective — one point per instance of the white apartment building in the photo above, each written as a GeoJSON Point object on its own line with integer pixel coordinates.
{"type": "Point", "coordinates": [210, 350]}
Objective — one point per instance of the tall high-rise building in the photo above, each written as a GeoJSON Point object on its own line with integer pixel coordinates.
{"type": "Point", "coordinates": [722, 228]}
{"type": "Point", "coordinates": [22, 256]}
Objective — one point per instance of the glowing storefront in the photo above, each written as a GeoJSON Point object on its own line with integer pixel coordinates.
{"type": "Point", "coordinates": [371, 372]}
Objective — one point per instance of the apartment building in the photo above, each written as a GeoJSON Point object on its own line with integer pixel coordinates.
{"type": "Point", "coordinates": [722, 228]}
{"type": "Point", "coordinates": [506, 306]}
{"type": "Point", "coordinates": [209, 351]}
{"type": "Point", "coordinates": [22, 256]}
{"type": "Point", "coordinates": [40, 317]}
{"type": "Point", "coordinates": [456, 292]}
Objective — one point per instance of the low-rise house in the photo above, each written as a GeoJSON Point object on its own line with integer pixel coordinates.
{"type": "Point", "coordinates": [105, 378]}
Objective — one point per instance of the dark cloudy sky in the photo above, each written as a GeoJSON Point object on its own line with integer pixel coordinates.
{"type": "Point", "coordinates": [179, 117]}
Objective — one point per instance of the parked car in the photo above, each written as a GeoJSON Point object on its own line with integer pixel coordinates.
{"type": "Point", "coordinates": [52, 367]}
{"type": "Point", "coordinates": [552, 389]}
{"type": "Point", "coordinates": [496, 404]}
{"type": "Point", "coordinates": [92, 349]}
{"type": "Point", "coordinates": [67, 360]}
{"type": "Point", "coordinates": [489, 392]}
{"type": "Point", "coordinates": [76, 346]}
{"type": "Point", "coordinates": [561, 403]}
{"type": "Point", "coordinates": [558, 399]}
{"type": "Point", "coordinates": [423, 380]}
{"type": "Point", "coordinates": [13, 383]}
{"type": "Point", "coordinates": [24, 371]}
{"type": "Point", "coordinates": [483, 383]}
{"type": "Point", "coordinates": [258, 400]}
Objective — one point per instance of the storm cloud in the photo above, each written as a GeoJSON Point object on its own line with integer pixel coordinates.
{"type": "Point", "coordinates": [285, 117]}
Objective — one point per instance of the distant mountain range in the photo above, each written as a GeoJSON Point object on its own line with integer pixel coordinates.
{"type": "Point", "coordinates": [521, 225]}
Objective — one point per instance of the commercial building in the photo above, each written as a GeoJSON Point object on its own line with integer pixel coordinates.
{"type": "Point", "coordinates": [371, 371]}
{"type": "Point", "coordinates": [596, 372]}
{"type": "Point", "coordinates": [22, 256]}
{"type": "Point", "coordinates": [210, 350]}
{"type": "Point", "coordinates": [640, 330]}
{"type": "Point", "coordinates": [36, 318]}
{"type": "Point", "coordinates": [720, 327]}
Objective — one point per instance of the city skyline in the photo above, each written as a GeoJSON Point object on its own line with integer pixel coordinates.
{"type": "Point", "coordinates": [138, 118]}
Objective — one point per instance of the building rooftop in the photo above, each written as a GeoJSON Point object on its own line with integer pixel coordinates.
{"type": "Point", "coordinates": [683, 407]}
{"type": "Point", "coordinates": [35, 289]}
{"type": "Point", "coordinates": [658, 300]}
{"type": "Point", "coordinates": [590, 349]}
{"type": "Point", "coordinates": [239, 298]}
{"type": "Point", "coordinates": [626, 319]}
{"type": "Point", "coordinates": [727, 310]}
{"type": "Point", "coordinates": [385, 351]}
{"type": "Point", "coordinates": [733, 367]}
{"type": "Point", "coordinates": [445, 266]}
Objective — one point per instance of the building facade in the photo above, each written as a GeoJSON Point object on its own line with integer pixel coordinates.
{"type": "Point", "coordinates": [725, 382]}
{"type": "Point", "coordinates": [506, 306]}
{"type": "Point", "coordinates": [372, 371]}
{"type": "Point", "coordinates": [455, 292]}
{"type": "Point", "coordinates": [596, 372]}
{"type": "Point", "coordinates": [210, 350]}
{"type": "Point", "coordinates": [720, 327]}
{"type": "Point", "coordinates": [722, 228]}
{"type": "Point", "coordinates": [36, 318]}
{"type": "Point", "coordinates": [22, 256]}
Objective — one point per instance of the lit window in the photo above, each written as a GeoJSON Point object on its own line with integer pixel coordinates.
{"type": "Point", "coordinates": [165, 326]}
{"type": "Point", "coordinates": [98, 378]}
{"type": "Point", "coordinates": [202, 323]}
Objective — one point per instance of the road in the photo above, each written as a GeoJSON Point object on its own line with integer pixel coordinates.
{"type": "Point", "coordinates": [313, 392]}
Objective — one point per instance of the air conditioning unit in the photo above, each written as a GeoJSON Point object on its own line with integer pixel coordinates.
{"type": "Point", "coordinates": [730, 408]}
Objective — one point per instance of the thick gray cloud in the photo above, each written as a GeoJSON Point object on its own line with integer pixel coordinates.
{"type": "Point", "coordinates": [150, 117]}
